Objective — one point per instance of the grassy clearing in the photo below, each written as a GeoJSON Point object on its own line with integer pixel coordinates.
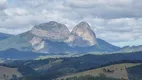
{"type": "Point", "coordinates": [6, 72]}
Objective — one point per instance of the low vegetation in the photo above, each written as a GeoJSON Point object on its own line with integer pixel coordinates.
{"type": "Point", "coordinates": [7, 72]}
{"type": "Point", "coordinates": [89, 77]}
{"type": "Point", "coordinates": [118, 71]}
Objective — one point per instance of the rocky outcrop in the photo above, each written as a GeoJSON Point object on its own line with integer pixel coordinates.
{"type": "Point", "coordinates": [82, 35]}
{"type": "Point", "coordinates": [37, 43]}
{"type": "Point", "coordinates": [51, 30]}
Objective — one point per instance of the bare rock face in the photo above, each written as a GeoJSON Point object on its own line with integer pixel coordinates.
{"type": "Point", "coordinates": [37, 43]}
{"type": "Point", "coordinates": [82, 36]}
{"type": "Point", "coordinates": [52, 31]}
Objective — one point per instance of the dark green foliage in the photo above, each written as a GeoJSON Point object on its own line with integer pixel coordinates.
{"type": "Point", "coordinates": [135, 73]}
{"type": "Point", "coordinates": [42, 76]}
{"type": "Point", "coordinates": [24, 70]}
{"type": "Point", "coordinates": [88, 77]}
{"type": "Point", "coordinates": [14, 77]}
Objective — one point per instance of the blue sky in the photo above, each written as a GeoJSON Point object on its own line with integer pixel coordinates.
{"type": "Point", "coordinates": [116, 21]}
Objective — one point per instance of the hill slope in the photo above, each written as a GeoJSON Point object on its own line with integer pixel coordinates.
{"type": "Point", "coordinates": [135, 73]}
{"type": "Point", "coordinates": [19, 42]}
{"type": "Point", "coordinates": [4, 36]}
{"type": "Point", "coordinates": [118, 71]}
{"type": "Point", "coordinates": [6, 73]}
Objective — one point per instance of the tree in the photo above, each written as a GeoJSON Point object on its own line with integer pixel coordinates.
{"type": "Point", "coordinates": [14, 77]}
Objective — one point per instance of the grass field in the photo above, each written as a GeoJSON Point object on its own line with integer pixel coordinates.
{"type": "Point", "coordinates": [6, 72]}
{"type": "Point", "coordinates": [115, 71]}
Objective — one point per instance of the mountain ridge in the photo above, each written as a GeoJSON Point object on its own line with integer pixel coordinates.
{"type": "Point", "coordinates": [52, 37]}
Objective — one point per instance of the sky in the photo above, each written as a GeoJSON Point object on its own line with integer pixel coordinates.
{"type": "Point", "coordinates": [119, 22]}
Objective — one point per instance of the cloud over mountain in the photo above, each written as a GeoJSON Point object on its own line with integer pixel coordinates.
{"type": "Point", "coordinates": [110, 19]}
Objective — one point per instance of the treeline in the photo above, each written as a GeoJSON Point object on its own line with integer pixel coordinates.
{"type": "Point", "coordinates": [113, 63]}
{"type": "Point", "coordinates": [89, 77]}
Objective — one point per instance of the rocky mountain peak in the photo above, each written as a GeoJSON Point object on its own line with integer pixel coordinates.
{"type": "Point", "coordinates": [51, 30]}
{"type": "Point", "coordinates": [82, 35]}
{"type": "Point", "coordinates": [81, 28]}
{"type": "Point", "coordinates": [83, 24]}
{"type": "Point", "coordinates": [49, 25]}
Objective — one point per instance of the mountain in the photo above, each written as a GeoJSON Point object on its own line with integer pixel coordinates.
{"type": "Point", "coordinates": [55, 38]}
{"type": "Point", "coordinates": [46, 32]}
{"type": "Point", "coordinates": [131, 48]}
{"type": "Point", "coordinates": [19, 42]}
{"type": "Point", "coordinates": [106, 47]}
{"type": "Point", "coordinates": [4, 36]}
{"type": "Point", "coordinates": [51, 30]}
{"type": "Point", "coordinates": [82, 35]}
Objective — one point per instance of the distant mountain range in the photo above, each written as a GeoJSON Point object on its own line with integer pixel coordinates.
{"type": "Point", "coordinates": [54, 38]}
{"type": "Point", "coordinates": [131, 48]}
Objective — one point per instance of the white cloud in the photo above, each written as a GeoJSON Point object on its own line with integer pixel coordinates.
{"type": "Point", "coordinates": [107, 8]}
{"type": "Point", "coordinates": [113, 20]}
{"type": "Point", "coordinates": [3, 1]}
{"type": "Point", "coordinates": [16, 12]}
{"type": "Point", "coordinates": [96, 3]}
{"type": "Point", "coordinates": [2, 4]}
